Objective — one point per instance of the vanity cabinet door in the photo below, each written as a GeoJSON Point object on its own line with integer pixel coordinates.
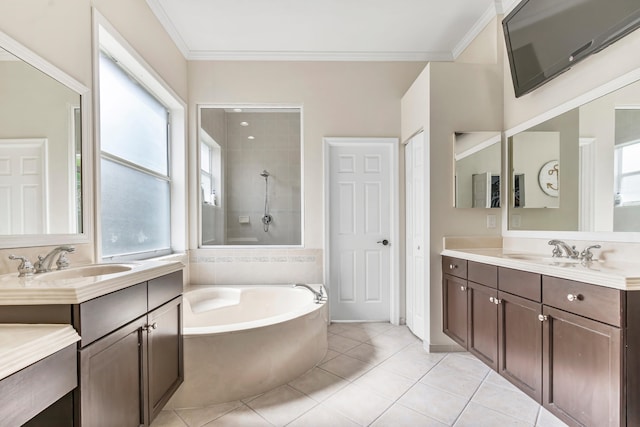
{"type": "Point", "coordinates": [520, 343]}
{"type": "Point", "coordinates": [483, 323]}
{"type": "Point", "coordinates": [455, 316]}
{"type": "Point", "coordinates": [164, 339]}
{"type": "Point", "coordinates": [582, 369]}
{"type": "Point", "coordinates": [112, 369]}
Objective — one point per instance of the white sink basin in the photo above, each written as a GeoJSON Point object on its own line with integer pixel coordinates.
{"type": "Point", "coordinates": [92, 270]}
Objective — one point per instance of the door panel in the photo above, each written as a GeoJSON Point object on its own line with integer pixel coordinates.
{"type": "Point", "coordinates": [483, 323]}
{"type": "Point", "coordinates": [360, 203]}
{"type": "Point", "coordinates": [455, 320]}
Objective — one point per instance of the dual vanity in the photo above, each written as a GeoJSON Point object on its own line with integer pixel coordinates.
{"type": "Point", "coordinates": [565, 332]}
{"type": "Point", "coordinates": [92, 345]}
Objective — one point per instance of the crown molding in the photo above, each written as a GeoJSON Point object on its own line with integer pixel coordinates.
{"type": "Point", "coordinates": [162, 16]}
{"type": "Point", "coordinates": [318, 56]}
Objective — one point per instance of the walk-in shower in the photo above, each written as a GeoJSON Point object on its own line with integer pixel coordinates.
{"type": "Point", "coordinates": [266, 218]}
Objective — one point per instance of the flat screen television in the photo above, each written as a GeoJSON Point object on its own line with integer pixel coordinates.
{"type": "Point", "coordinates": [546, 37]}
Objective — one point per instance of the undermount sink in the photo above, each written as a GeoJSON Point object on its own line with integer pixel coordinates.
{"type": "Point", "coordinates": [84, 271]}
{"type": "Point", "coordinates": [527, 257]}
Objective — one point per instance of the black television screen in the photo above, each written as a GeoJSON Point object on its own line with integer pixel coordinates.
{"type": "Point", "coordinates": [546, 37]}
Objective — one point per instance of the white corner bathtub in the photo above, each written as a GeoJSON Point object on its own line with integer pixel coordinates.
{"type": "Point", "coordinates": [240, 341]}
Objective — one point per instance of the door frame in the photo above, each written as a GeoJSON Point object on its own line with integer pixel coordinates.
{"type": "Point", "coordinates": [394, 237]}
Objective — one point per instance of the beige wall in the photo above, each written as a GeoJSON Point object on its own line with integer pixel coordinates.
{"type": "Point", "coordinates": [339, 99]}
{"type": "Point", "coordinates": [61, 33]}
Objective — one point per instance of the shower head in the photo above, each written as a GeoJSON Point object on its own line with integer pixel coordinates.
{"type": "Point", "coordinates": [264, 174]}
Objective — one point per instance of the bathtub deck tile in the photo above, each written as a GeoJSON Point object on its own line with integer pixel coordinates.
{"type": "Point", "coordinates": [197, 417]}
{"type": "Point", "coordinates": [318, 384]}
{"type": "Point", "coordinates": [282, 405]}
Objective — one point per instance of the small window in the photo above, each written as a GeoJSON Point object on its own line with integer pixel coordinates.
{"type": "Point", "coordinates": [627, 174]}
{"type": "Point", "coordinates": [134, 160]}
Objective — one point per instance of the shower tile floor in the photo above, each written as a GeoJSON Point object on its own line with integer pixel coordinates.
{"type": "Point", "coordinates": [377, 374]}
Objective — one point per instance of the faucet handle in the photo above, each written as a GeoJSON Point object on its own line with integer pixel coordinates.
{"type": "Point", "coordinates": [557, 252]}
{"type": "Point", "coordinates": [25, 268]}
{"type": "Point", "coordinates": [586, 255]}
{"type": "Point", "coordinates": [63, 261]}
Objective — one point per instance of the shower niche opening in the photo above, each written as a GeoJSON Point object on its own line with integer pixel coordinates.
{"type": "Point", "coordinates": [250, 176]}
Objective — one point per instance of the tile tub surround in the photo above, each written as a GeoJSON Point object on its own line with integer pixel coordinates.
{"type": "Point", "coordinates": [24, 344]}
{"type": "Point", "coordinates": [378, 374]}
{"type": "Point", "coordinates": [256, 265]}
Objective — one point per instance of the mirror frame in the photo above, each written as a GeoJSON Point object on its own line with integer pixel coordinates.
{"type": "Point", "coordinates": [31, 240]}
{"type": "Point", "coordinates": [604, 236]}
{"type": "Point", "coordinates": [196, 188]}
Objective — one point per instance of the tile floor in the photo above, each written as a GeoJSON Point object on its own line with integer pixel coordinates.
{"type": "Point", "coordinates": [377, 374]}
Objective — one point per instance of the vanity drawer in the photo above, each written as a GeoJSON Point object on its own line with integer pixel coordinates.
{"type": "Point", "coordinates": [592, 301]}
{"type": "Point", "coordinates": [164, 289]}
{"type": "Point", "coordinates": [454, 266]}
{"type": "Point", "coordinates": [483, 274]}
{"type": "Point", "coordinates": [100, 316]}
{"type": "Point", "coordinates": [520, 283]}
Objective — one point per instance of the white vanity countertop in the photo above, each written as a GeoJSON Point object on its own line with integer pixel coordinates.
{"type": "Point", "coordinates": [22, 345]}
{"type": "Point", "coordinates": [619, 275]}
{"type": "Point", "coordinates": [36, 290]}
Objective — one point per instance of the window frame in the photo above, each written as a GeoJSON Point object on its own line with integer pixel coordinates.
{"type": "Point", "coordinates": [620, 176]}
{"type": "Point", "coordinates": [108, 39]}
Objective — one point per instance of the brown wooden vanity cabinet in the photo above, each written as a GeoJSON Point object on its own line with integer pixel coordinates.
{"type": "Point", "coordinates": [130, 357]}
{"type": "Point", "coordinates": [573, 347]}
{"type": "Point", "coordinates": [129, 372]}
{"type": "Point", "coordinates": [454, 294]}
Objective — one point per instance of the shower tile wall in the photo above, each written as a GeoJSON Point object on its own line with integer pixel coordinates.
{"type": "Point", "coordinates": [276, 148]}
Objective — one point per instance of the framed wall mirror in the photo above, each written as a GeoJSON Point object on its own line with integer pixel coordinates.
{"type": "Point", "coordinates": [477, 157]}
{"type": "Point", "coordinates": [43, 114]}
{"type": "Point", "coordinates": [250, 176]}
{"type": "Point", "coordinates": [588, 161]}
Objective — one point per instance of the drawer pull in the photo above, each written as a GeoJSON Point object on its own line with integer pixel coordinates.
{"type": "Point", "coordinates": [452, 266]}
{"type": "Point", "coordinates": [572, 297]}
{"type": "Point", "coordinates": [462, 288]}
{"type": "Point", "coordinates": [542, 317]}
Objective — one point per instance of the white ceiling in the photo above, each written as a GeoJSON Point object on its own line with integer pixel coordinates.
{"type": "Point", "coordinates": [372, 30]}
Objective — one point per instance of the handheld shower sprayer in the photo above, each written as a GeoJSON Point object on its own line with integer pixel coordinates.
{"type": "Point", "coordinates": [266, 218]}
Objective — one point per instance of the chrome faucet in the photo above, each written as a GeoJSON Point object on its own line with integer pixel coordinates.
{"type": "Point", "coordinates": [43, 264]}
{"type": "Point", "coordinates": [319, 295]}
{"type": "Point", "coordinates": [560, 246]}
{"type": "Point", "coordinates": [586, 255]}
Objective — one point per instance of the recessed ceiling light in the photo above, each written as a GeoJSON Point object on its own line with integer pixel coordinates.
{"type": "Point", "coordinates": [251, 137]}
{"type": "Point", "coordinates": [244, 124]}
{"type": "Point", "coordinates": [237, 110]}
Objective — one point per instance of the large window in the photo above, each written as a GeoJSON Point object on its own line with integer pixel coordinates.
{"type": "Point", "coordinates": [135, 183]}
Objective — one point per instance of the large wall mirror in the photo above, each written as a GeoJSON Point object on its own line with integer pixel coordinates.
{"type": "Point", "coordinates": [250, 176]}
{"type": "Point", "coordinates": [477, 169]}
{"type": "Point", "coordinates": [580, 170]}
{"type": "Point", "coordinates": [41, 149]}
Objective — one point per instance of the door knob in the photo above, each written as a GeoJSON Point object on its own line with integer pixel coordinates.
{"type": "Point", "coordinates": [384, 242]}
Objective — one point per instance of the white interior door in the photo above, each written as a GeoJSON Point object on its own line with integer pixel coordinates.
{"type": "Point", "coordinates": [415, 234]}
{"type": "Point", "coordinates": [23, 207]}
{"type": "Point", "coordinates": [360, 230]}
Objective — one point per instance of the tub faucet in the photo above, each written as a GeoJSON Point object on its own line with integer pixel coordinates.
{"type": "Point", "coordinates": [43, 264]}
{"type": "Point", "coordinates": [559, 246]}
{"type": "Point", "coordinates": [319, 295]}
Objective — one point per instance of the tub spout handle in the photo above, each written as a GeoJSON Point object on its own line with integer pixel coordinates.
{"type": "Point", "coordinates": [319, 295]}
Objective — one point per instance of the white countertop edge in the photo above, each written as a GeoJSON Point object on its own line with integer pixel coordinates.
{"type": "Point", "coordinates": [594, 277]}
{"type": "Point", "coordinates": [40, 295]}
{"type": "Point", "coordinates": [52, 339]}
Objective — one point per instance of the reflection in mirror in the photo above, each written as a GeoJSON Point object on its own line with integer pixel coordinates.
{"type": "Point", "coordinates": [598, 168]}
{"type": "Point", "coordinates": [40, 152]}
{"type": "Point", "coordinates": [250, 176]}
{"type": "Point", "coordinates": [477, 169]}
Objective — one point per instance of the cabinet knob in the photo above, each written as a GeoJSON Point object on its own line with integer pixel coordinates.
{"type": "Point", "coordinates": [462, 288]}
{"type": "Point", "coordinates": [572, 297]}
{"type": "Point", "coordinates": [542, 317]}
{"type": "Point", "coordinates": [491, 299]}
{"type": "Point", "coordinates": [150, 327]}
